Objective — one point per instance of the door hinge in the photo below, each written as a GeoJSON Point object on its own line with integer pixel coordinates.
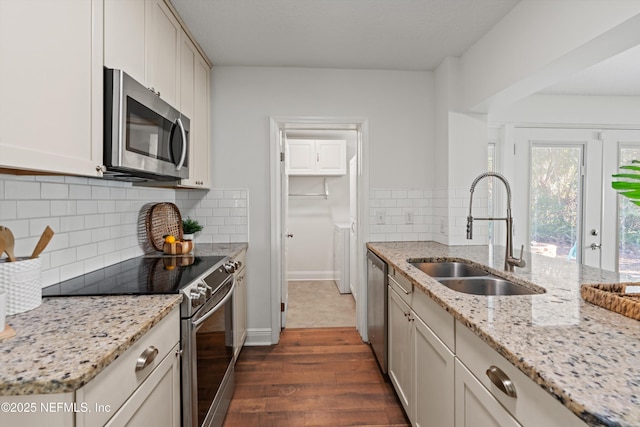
{"type": "Point", "coordinates": [282, 307]}
{"type": "Point", "coordinates": [282, 156]}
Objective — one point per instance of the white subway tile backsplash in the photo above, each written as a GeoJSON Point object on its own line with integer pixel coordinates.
{"type": "Point", "coordinates": [8, 209]}
{"type": "Point", "coordinates": [22, 190]}
{"type": "Point", "coordinates": [96, 221]}
{"type": "Point", "coordinates": [32, 209]}
{"type": "Point", "coordinates": [54, 191]}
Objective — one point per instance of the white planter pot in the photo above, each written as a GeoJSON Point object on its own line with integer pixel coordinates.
{"type": "Point", "coordinates": [189, 237]}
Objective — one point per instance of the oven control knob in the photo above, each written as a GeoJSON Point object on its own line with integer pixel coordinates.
{"type": "Point", "coordinates": [237, 264]}
{"type": "Point", "coordinates": [205, 290]}
{"type": "Point", "coordinates": [229, 267]}
{"type": "Point", "coordinates": [197, 298]}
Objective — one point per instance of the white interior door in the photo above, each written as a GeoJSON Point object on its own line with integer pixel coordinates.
{"type": "Point", "coordinates": [284, 182]}
{"type": "Point", "coordinates": [558, 193]}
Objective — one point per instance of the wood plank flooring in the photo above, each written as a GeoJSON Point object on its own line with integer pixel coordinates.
{"type": "Point", "coordinates": [313, 377]}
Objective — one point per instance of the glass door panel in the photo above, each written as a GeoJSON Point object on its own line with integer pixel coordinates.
{"type": "Point", "coordinates": [629, 222]}
{"type": "Point", "coordinates": [555, 201]}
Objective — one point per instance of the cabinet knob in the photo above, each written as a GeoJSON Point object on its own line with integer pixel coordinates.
{"type": "Point", "coordinates": [502, 381]}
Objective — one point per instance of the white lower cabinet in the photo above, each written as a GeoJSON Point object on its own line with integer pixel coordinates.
{"type": "Point", "coordinates": [475, 406]}
{"type": "Point", "coordinates": [240, 306]}
{"type": "Point", "coordinates": [434, 373]}
{"type": "Point", "coordinates": [420, 366]}
{"type": "Point", "coordinates": [157, 401]}
{"type": "Point", "coordinates": [466, 388]}
{"type": "Point", "coordinates": [401, 333]}
{"type": "Point", "coordinates": [143, 382]}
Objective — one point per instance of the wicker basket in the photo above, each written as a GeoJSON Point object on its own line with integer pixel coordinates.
{"type": "Point", "coordinates": [22, 281]}
{"type": "Point", "coordinates": [163, 219]}
{"type": "Point", "coordinates": [613, 297]}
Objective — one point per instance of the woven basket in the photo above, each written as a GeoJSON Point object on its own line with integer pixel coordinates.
{"type": "Point", "coordinates": [613, 297]}
{"type": "Point", "coordinates": [22, 281]}
{"type": "Point", "coordinates": [163, 219]}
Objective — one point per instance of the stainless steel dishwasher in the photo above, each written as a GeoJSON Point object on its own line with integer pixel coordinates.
{"type": "Point", "coordinates": [377, 307]}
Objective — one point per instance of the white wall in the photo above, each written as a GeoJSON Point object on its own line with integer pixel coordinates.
{"type": "Point", "coordinates": [398, 105]}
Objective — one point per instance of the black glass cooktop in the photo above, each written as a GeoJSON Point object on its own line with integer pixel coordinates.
{"type": "Point", "coordinates": [137, 276]}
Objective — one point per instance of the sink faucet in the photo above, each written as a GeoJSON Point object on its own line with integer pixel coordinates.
{"type": "Point", "coordinates": [509, 260]}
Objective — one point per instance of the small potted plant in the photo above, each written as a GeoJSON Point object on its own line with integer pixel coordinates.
{"type": "Point", "coordinates": [189, 228]}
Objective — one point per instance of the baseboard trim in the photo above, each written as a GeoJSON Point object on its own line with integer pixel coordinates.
{"type": "Point", "coordinates": [258, 337]}
{"type": "Point", "coordinates": [311, 275]}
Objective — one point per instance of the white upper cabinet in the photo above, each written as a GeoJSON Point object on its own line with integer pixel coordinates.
{"type": "Point", "coordinates": [159, 53]}
{"type": "Point", "coordinates": [142, 38]}
{"type": "Point", "coordinates": [316, 157]}
{"type": "Point", "coordinates": [124, 37]}
{"type": "Point", "coordinates": [194, 103]}
{"type": "Point", "coordinates": [163, 51]}
{"type": "Point", "coordinates": [51, 90]}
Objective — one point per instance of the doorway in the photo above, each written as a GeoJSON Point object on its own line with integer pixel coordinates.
{"type": "Point", "coordinates": [280, 127]}
{"type": "Point", "coordinates": [563, 190]}
{"type": "Point", "coordinates": [321, 169]}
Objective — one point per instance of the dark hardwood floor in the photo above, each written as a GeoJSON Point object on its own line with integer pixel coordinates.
{"type": "Point", "coordinates": [313, 377]}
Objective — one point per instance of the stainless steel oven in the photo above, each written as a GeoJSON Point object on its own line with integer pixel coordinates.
{"type": "Point", "coordinates": [207, 353]}
{"type": "Point", "coordinates": [145, 138]}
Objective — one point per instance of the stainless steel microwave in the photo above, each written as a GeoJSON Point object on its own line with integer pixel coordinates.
{"type": "Point", "coordinates": [144, 137]}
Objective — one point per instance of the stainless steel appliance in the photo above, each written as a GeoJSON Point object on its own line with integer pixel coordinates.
{"type": "Point", "coordinates": [207, 351]}
{"type": "Point", "coordinates": [144, 137]}
{"type": "Point", "coordinates": [206, 326]}
{"type": "Point", "coordinates": [377, 307]}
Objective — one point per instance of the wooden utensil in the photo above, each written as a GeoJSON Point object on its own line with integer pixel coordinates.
{"type": "Point", "coordinates": [9, 242]}
{"type": "Point", "coordinates": [2, 244]}
{"type": "Point", "coordinates": [47, 234]}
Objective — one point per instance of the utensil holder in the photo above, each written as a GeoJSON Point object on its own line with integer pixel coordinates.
{"type": "Point", "coordinates": [22, 281]}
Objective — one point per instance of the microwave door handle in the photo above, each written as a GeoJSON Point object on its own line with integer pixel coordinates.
{"type": "Point", "coordinates": [183, 156]}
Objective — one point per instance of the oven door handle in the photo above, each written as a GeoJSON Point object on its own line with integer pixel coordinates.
{"type": "Point", "coordinates": [218, 305]}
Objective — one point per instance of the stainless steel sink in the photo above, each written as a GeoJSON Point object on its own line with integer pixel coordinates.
{"type": "Point", "coordinates": [448, 269]}
{"type": "Point", "coordinates": [486, 286]}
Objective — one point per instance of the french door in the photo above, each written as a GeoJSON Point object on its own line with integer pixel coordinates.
{"type": "Point", "coordinates": [564, 200]}
{"type": "Point", "coordinates": [559, 193]}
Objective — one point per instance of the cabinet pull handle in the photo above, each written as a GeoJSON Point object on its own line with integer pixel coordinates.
{"type": "Point", "coordinates": [146, 358]}
{"type": "Point", "coordinates": [502, 381]}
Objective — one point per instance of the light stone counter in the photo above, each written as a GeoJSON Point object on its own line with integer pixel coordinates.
{"type": "Point", "coordinates": [65, 342]}
{"type": "Point", "coordinates": [587, 357]}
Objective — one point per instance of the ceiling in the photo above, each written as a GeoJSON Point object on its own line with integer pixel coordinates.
{"type": "Point", "coordinates": [354, 34]}
{"type": "Point", "coordinates": [370, 34]}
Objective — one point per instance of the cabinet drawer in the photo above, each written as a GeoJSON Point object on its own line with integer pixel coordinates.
{"type": "Point", "coordinates": [121, 378]}
{"type": "Point", "coordinates": [436, 317]}
{"type": "Point", "coordinates": [533, 406]}
{"type": "Point", "coordinates": [401, 285]}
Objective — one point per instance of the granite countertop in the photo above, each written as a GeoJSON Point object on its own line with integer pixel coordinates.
{"type": "Point", "coordinates": [587, 357]}
{"type": "Point", "coordinates": [65, 342]}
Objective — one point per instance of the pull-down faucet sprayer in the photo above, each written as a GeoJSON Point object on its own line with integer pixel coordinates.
{"type": "Point", "coordinates": [509, 260]}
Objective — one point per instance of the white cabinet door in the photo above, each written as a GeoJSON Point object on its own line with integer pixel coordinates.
{"type": "Point", "coordinates": [401, 348]}
{"type": "Point", "coordinates": [316, 157]}
{"type": "Point", "coordinates": [434, 376]}
{"type": "Point", "coordinates": [240, 313]}
{"type": "Point", "coordinates": [51, 86]}
{"type": "Point", "coordinates": [124, 38]}
{"type": "Point", "coordinates": [157, 401]}
{"type": "Point", "coordinates": [302, 157]}
{"type": "Point", "coordinates": [163, 51]}
{"type": "Point", "coordinates": [194, 103]}
{"type": "Point", "coordinates": [474, 405]}
{"type": "Point", "coordinates": [331, 157]}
